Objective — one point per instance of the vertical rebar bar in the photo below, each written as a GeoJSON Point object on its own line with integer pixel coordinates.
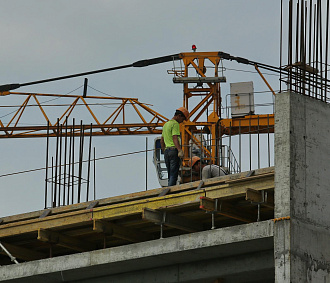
{"type": "Point", "coordinates": [69, 166]}
{"type": "Point", "coordinates": [290, 44]}
{"type": "Point", "coordinates": [60, 169]}
{"type": "Point", "coordinates": [326, 50]}
{"type": "Point", "coordinates": [65, 154]}
{"type": "Point", "coordinates": [281, 44]}
{"type": "Point", "coordinates": [81, 153]}
{"type": "Point", "coordinates": [47, 151]}
{"type": "Point", "coordinates": [53, 191]}
{"type": "Point", "coordinates": [89, 160]}
{"type": "Point", "coordinates": [321, 51]}
{"type": "Point", "coordinates": [72, 177]}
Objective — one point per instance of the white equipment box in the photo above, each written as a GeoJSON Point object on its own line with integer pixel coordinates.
{"type": "Point", "coordinates": [241, 99]}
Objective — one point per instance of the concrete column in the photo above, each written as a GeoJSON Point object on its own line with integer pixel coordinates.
{"type": "Point", "coordinates": [302, 189]}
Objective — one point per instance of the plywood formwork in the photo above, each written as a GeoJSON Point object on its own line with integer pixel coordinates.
{"type": "Point", "coordinates": [138, 217]}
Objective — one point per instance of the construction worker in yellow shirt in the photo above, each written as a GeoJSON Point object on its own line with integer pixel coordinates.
{"type": "Point", "coordinates": [171, 144]}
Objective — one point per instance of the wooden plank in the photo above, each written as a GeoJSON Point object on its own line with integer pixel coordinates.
{"type": "Point", "coordinates": [120, 232]}
{"type": "Point", "coordinates": [171, 220]}
{"type": "Point", "coordinates": [22, 253]}
{"type": "Point", "coordinates": [66, 220]}
{"type": "Point", "coordinates": [65, 241]}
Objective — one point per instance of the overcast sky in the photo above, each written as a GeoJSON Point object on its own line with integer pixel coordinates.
{"type": "Point", "coordinates": [43, 39]}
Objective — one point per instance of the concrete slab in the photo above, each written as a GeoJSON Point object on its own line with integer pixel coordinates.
{"type": "Point", "coordinates": [238, 249]}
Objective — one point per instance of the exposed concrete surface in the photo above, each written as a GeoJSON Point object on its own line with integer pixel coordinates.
{"type": "Point", "coordinates": [240, 249]}
{"type": "Point", "coordinates": [302, 180]}
{"type": "Point", "coordinates": [243, 268]}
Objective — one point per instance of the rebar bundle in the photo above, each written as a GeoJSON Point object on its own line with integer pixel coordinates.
{"type": "Point", "coordinates": [307, 40]}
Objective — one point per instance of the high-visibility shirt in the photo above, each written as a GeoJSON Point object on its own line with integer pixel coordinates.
{"type": "Point", "coordinates": [170, 129]}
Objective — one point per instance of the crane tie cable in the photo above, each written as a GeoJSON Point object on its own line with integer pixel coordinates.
{"type": "Point", "coordinates": [141, 63]}
{"type": "Point", "coordinates": [84, 161]}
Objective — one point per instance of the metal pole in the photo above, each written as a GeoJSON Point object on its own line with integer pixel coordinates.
{"type": "Point", "coordinates": [85, 87]}
{"type": "Point", "coordinates": [240, 145]}
{"type": "Point", "coordinates": [94, 176]}
{"type": "Point", "coordinates": [12, 258]}
{"type": "Point", "coordinates": [146, 163]}
{"type": "Point", "coordinates": [250, 143]}
{"type": "Point", "coordinates": [258, 145]}
{"type": "Point", "coordinates": [56, 162]}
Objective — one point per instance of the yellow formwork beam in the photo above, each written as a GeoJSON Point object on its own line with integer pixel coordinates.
{"type": "Point", "coordinates": [56, 221]}
{"type": "Point", "coordinates": [237, 188]}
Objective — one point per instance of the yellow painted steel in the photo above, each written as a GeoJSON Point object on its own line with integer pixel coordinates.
{"type": "Point", "coordinates": [111, 125]}
{"type": "Point", "coordinates": [238, 189]}
{"type": "Point", "coordinates": [57, 221]}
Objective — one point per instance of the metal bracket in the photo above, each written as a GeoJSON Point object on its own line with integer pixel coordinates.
{"type": "Point", "coordinates": [214, 212]}
{"type": "Point", "coordinates": [162, 225]}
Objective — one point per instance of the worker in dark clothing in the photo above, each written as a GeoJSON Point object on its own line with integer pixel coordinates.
{"type": "Point", "coordinates": [207, 171]}
{"type": "Point", "coordinates": [171, 144]}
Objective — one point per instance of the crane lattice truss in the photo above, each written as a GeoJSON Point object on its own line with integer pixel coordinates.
{"type": "Point", "coordinates": [114, 124]}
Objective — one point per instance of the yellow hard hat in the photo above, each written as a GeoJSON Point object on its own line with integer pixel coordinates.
{"type": "Point", "coordinates": [193, 161]}
{"type": "Point", "coordinates": [184, 112]}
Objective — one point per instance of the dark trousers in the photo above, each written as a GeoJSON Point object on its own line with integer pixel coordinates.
{"type": "Point", "coordinates": [172, 162]}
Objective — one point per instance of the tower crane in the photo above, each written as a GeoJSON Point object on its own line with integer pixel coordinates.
{"type": "Point", "coordinates": [201, 75]}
